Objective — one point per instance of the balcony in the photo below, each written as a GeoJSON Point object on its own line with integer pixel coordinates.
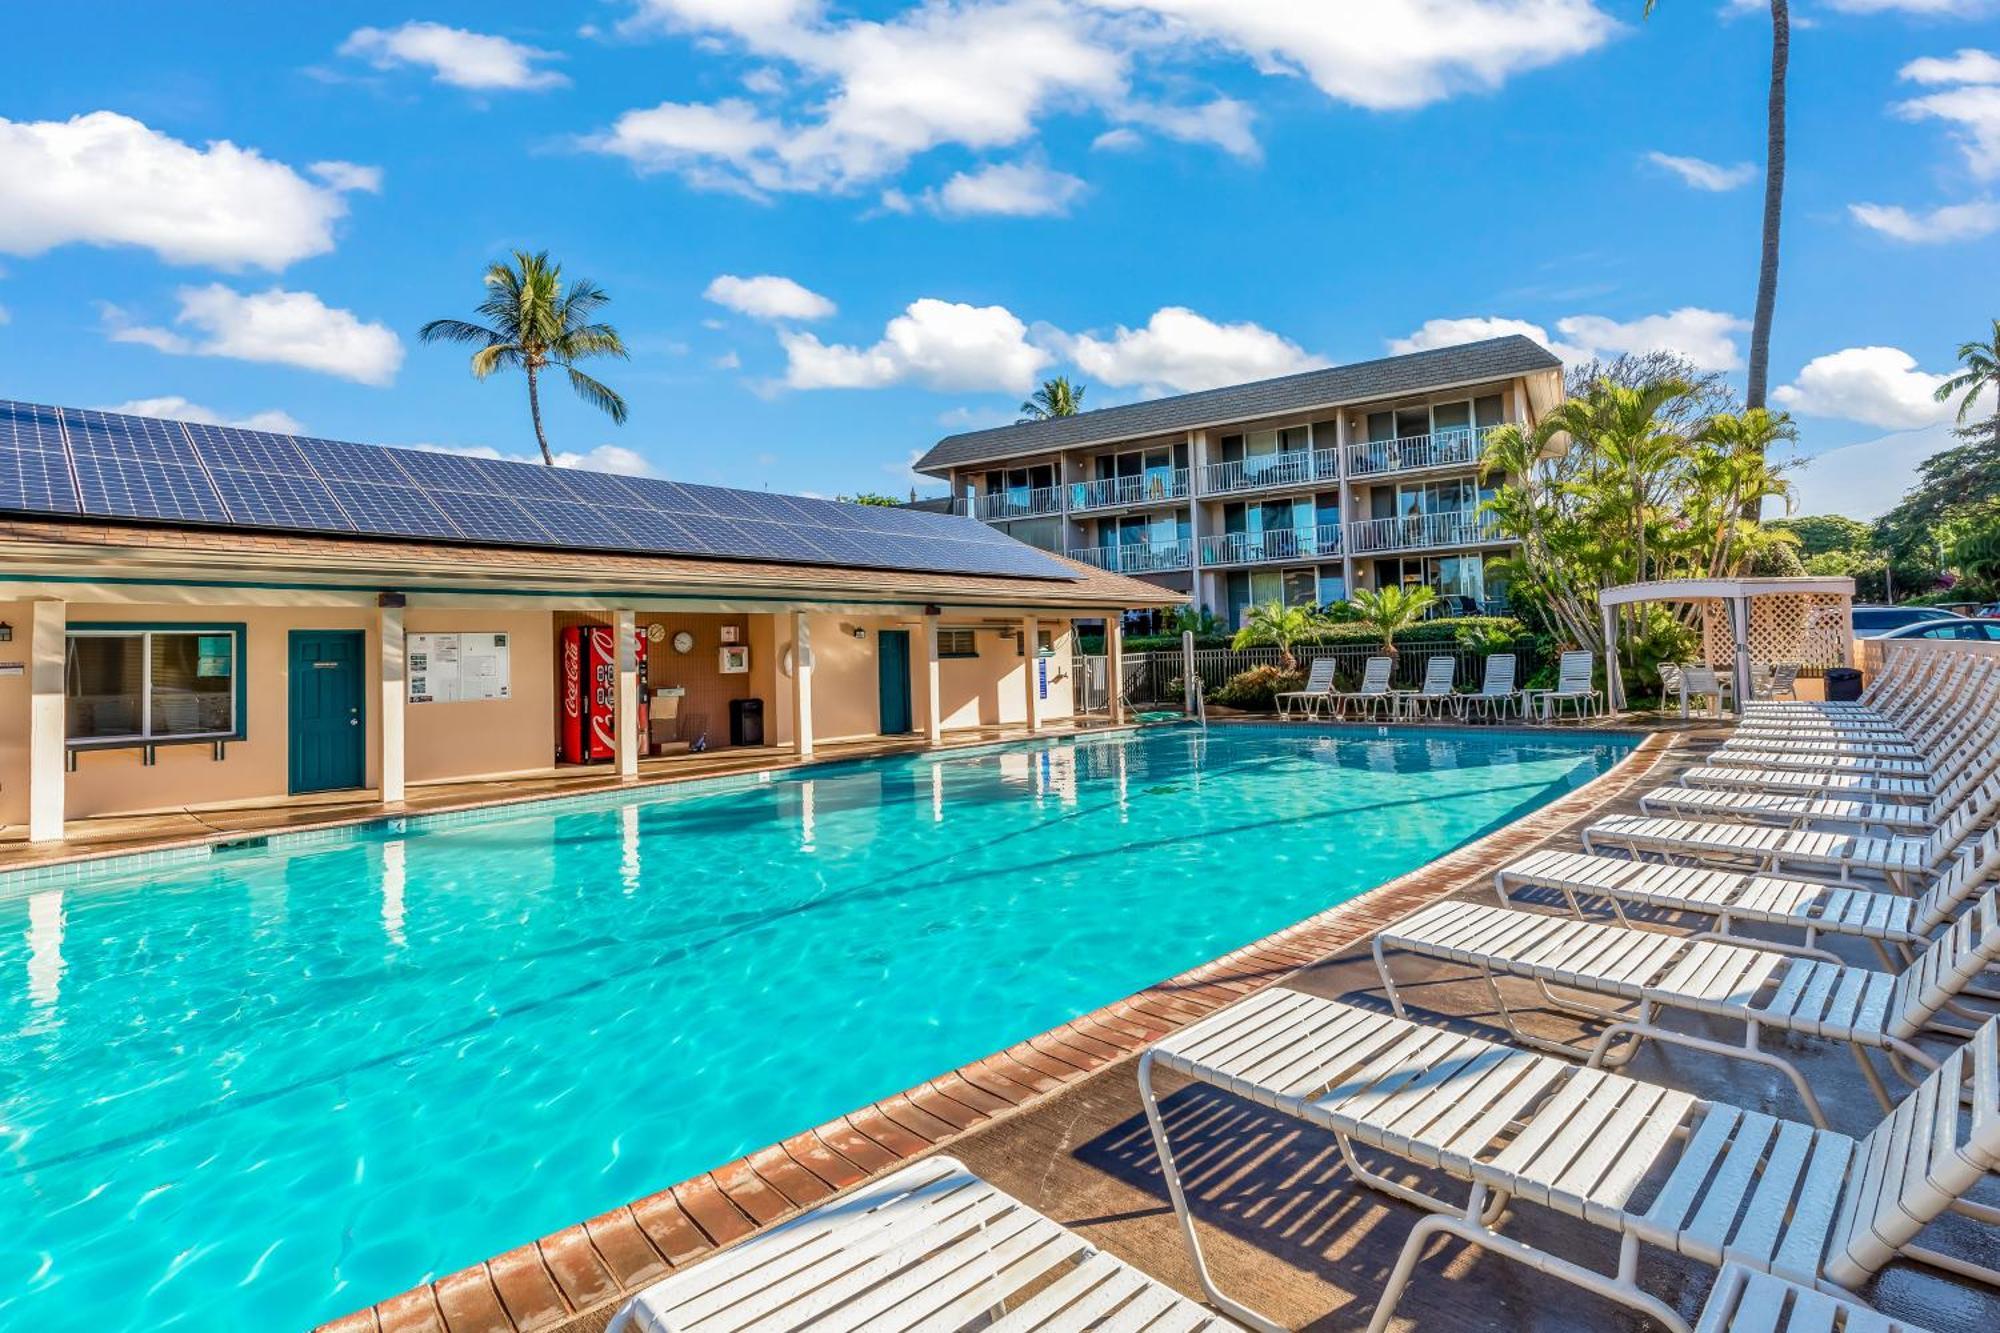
{"type": "Point", "coordinates": [1298, 468]}
{"type": "Point", "coordinates": [1135, 557]}
{"type": "Point", "coordinates": [1279, 544]}
{"type": "Point", "coordinates": [1422, 532]}
{"type": "Point", "coordinates": [1418, 453]}
{"type": "Point", "coordinates": [1152, 488]}
{"type": "Point", "coordinates": [1003, 505]}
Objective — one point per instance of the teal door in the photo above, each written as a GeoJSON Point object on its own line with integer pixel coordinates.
{"type": "Point", "coordinates": [892, 654]}
{"type": "Point", "coordinates": [329, 732]}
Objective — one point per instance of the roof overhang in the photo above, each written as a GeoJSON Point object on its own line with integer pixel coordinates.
{"type": "Point", "coordinates": [1705, 590]}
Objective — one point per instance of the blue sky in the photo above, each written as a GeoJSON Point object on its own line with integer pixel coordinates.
{"type": "Point", "coordinates": [835, 232]}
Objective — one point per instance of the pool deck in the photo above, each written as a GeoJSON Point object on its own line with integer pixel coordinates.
{"type": "Point", "coordinates": [122, 835]}
{"type": "Point", "coordinates": [1056, 1121]}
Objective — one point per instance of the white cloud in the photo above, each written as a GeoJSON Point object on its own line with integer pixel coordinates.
{"type": "Point", "coordinates": [1967, 65]}
{"type": "Point", "coordinates": [277, 326]}
{"type": "Point", "coordinates": [1972, 109]}
{"type": "Point", "coordinates": [1702, 175]}
{"type": "Point", "coordinates": [1011, 189]}
{"type": "Point", "coordinates": [1879, 386]}
{"type": "Point", "coordinates": [1179, 350]}
{"type": "Point", "coordinates": [1119, 140]}
{"type": "Point", "coordinates": [1388, 54]}
{"type": "Point", "coordinates": [106, 179]}
{"type": "Point", "coordinates": [604, 458]}
{"type": "Point", "coordinates": [859, 98]}
{"type": "Point", "coordinates": [173, 407]}
{"type": "Point", "coordinates": [1451, 332]}
{"type": "Point", "coordinates": [1950, 222]}
{"type": "Point", "coordinates": [940, 344]}
{"type": "Point", "coordinates": [455, 56]}
{"type": "Point", "coordinates": [346, 176]}
{"type": "Point", "coordinates": [1704, 337]}
{"type": "Point", "coordinates": [1865, 480]}
{"type": "Point", "coordinates": [768, 296]}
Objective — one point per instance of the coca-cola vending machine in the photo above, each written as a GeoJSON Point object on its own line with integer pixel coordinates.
{"type": "Point", "coordinates": [590, 694]}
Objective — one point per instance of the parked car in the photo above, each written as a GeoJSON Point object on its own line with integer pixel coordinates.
{"type": "Point", "coordinates": [1984, 629]}
{"type": "Point", "coordinates": [1874, 622]}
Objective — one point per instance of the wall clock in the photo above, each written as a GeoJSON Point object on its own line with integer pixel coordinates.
{"type": "Point", "coordinates": [683, 642]}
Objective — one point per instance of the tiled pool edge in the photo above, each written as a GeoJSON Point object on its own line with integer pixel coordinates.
{"type": "Point", "coordinates": [583, 1268]}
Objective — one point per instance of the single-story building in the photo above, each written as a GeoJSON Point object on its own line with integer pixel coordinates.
{"type": "Point", "coordinates": [195, 616]}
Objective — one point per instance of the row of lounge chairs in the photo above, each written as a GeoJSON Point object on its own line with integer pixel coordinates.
{"type": "Point", "coordinates": [1497, 696]}
{"type": "Point", "coordinates": [1793, 1213]}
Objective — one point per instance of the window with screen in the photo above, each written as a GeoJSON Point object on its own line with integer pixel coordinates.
{"type": "Point", "coordinates": [956, 643]}
{"type": "Point", "coordinates": [137, 686]}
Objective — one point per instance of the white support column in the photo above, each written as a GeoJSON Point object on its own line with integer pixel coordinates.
{"type": "Point", "coordinates": [1200, 581]}
{"type": "Point", "coordinates": [1030, 633]}
{"type": "Point", "coordinates": [1341, 436]}
{"type": "Point", "coordinates": [933, 695]}
{"type": "Point", "coordinates": [625, 645]}
{"type": "Point", "coordinates": [48, 647]}
{"type": "Point", "coordinates": [395, 696]}
{"type": "Point", "coordinates": [1739, 620]}
{"type": "Point", "coordinates": [802, 691]}
{"type": "Point", "coordinates": [1114, 664]}
{"type": "Point", "coordinates": [1614, 681]}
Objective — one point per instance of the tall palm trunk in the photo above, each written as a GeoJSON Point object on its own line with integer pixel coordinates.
{"type": "Point", "coordinates": [1774, 199]}
{"type": "Point", "coordinates": [535, 411]}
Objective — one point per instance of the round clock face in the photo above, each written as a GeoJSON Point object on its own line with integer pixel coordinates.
{"type": "Point", "coordinates": [655, 632]}
{"type": "Point", "coordinates": [683, 642]}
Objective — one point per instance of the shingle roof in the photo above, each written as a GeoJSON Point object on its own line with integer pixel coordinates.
{"type": "Point", "coordinates": [1494, 358]}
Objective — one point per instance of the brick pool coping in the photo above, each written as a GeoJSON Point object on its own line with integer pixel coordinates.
{"type": "Point", "coordinates": [584, 1268]}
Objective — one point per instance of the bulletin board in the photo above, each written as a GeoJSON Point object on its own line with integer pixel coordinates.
{"type": "Point", "coordinates": [457, 668]}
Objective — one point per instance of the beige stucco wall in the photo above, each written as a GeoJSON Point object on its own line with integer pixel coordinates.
{"type": "Point", "coordinates": [14, 718]}
{"type": "Point", "coordinates": [486, 737]}
{"type": "Point", "coordinates": [987, 690]}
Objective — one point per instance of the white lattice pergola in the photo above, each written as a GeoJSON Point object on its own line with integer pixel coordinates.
{"type": "Point", "coordinates": [1808, 621]}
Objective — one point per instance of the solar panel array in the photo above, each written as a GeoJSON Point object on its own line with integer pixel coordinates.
{"type": "Point", "coordinates": [66, 460]}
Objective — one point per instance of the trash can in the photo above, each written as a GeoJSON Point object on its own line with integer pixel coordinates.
{"type": "Point", "coordinates": [746, 721]}
{"type": "Point", "coordinates": [1843, 685]}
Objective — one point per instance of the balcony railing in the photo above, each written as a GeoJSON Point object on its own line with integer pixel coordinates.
{"type": "Point", "coordinates": [1129, 490]}
{"type": "Point", "coordinates": [1300, 467]}
{"type": "Point", "coordinates": [1135, 557]}
{"type": "Point", "coordinates": [1422, 531]}
{"type": "Point", "coordinates": [1444, 448]}
{"type": "Point", "coordinates": [1254, 548]}
{"type": "Point", "coordinates": [1018, 503]}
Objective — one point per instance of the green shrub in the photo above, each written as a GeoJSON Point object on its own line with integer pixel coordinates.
{"type": "Point", "coordinates": [1256, 690]}
{"type": "Point", "coordinates": [1445, 629]}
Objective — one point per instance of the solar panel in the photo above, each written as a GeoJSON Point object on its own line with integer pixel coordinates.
{"type": "Point", "coordinates": [398, 511]}
{"type": "Point", "coordinates": [273, 500]}
{"type": "Point", "coordinates": [106, 464]}
{"type": "Point", "coordinates": [118, 487]}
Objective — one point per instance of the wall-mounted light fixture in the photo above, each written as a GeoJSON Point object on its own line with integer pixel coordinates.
{"type": "Point", "coordinates": [860, 633]}
{"type": "Point", "coordinates": [389, 601]}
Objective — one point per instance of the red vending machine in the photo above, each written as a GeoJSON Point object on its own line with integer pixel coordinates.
{"type": "Point", "coordinates": [590, 694]}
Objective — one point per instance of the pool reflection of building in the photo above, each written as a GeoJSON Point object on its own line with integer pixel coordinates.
{"type": "Point", "coordinates": [160, 653]}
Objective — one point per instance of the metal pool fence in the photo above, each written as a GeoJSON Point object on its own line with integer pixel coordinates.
{"type": "Point", "coordinates": [1155, 677]}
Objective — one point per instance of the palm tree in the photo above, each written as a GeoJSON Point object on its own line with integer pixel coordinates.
{"type": "Point", "coordinates": [1056, 398]}
{"type": "Point", "coordinates": [533, 322]}
{"type": "Point", "coordinates": [1391, 609]}
{"type": "Point", "coordinates": [1280, 626]}
{"type": "Point", "coordinates": [1981, 375]}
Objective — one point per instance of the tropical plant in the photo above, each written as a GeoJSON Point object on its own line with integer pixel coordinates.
{"type": "Point", "coordinates": [1952, 482]}
{"type": "Point", "coordinates": [1256, 690]}
{"type": "Point", "coordinates": [1056, 398]}
{"type": "Point", "coordinates": [534, 322]}
{"type": "Point", "coordinates": [1392, 609]}
{"type": "Point", "coordinates": [875, 498]}
{"type": "Point", "coordinates": [1758, 374]}
{"type": "Point", "coordinates": [1190, 620]}
{"type": "Point", "coordinates": [1981, 374]}
{"type": "Point", "coordinates": [1280, 627]}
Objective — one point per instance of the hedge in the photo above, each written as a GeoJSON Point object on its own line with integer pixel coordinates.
{"type": "Point", "coordinates": [1443, 629]}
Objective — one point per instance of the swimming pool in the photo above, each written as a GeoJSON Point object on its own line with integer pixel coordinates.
{"type": "Point", "coordinates": [263, 1089]}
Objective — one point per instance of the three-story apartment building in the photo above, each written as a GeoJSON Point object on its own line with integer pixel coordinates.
{"type": "Point", "coordinates": [1299, 489]}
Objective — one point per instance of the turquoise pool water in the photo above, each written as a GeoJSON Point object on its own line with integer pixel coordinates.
{"type": "Point", "coordinates": [264, 1089]}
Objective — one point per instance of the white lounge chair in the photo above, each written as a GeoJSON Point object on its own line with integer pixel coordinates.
{"type": "Point", "coordinates": [1573, 672]}
{"type": "Point", "coordinates": [1497, 691]}
{"type": "Point", "coordinates": [1648, 1164]}
{"type": "Point", "coordinates": [1796, 809]}
{"type": "Point", "coordinates": [1744, 1300]}
{"type": "Point", "coordinates": [1699, 681]}
{"type": "Point", "coordinates": [1760, 988]}
{"type": "Point", "coordinates": [1975, 749]}
{"type": "Point", "coordinates": [931, 1247]}
{"type": "Point", "coordinates": [1319, 684]}
{"type": "Point", "coordinates": [1436, 695]}
{"type": "Point", "coordinates": [1906, 862]}
{"type": "Point", "coordinates": [1777, 681]}
{"type": "Point", "coordinates": [1373, 692]}
{"type": "Point", "coordinates": [1730, 898]}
